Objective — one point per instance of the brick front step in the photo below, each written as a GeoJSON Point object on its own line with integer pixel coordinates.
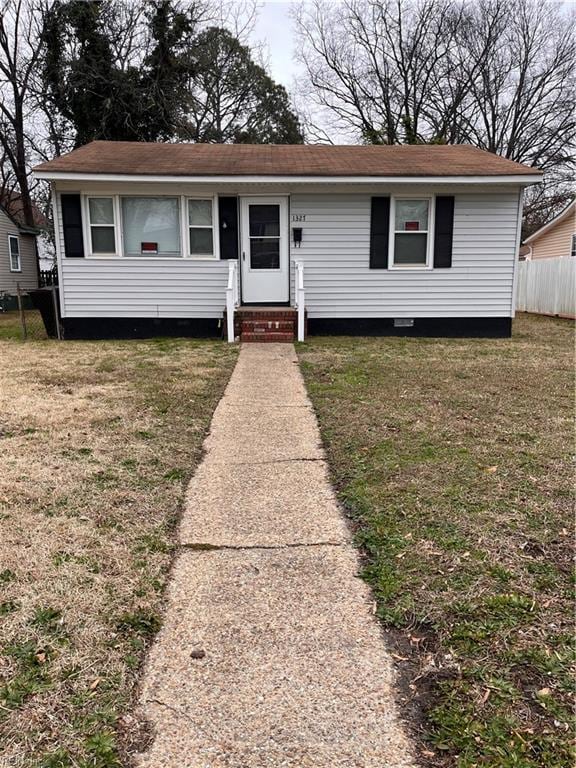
{"type": "Point", "coordinates": [266, 314]}
{"type": "Point", "coordinates": [268, 326]}
{"type": "Point", "coordinates": [263, 324]}
{"type": "Point", "coordinates": [268, 336]}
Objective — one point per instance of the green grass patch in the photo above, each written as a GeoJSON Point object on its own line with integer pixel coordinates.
{"type": "Point", "coordinates": [140, 622]}
{"type": "Point", "coordinates": [452, 458]}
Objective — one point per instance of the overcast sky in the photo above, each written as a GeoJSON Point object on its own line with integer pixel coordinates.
{"type": "Point", "coordinates": [276, 29]}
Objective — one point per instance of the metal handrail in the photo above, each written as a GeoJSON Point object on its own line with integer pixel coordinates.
{"type": "Point", "coordinates": [300, 298]}
{"type": "Point", "coordinates": [231, 299]}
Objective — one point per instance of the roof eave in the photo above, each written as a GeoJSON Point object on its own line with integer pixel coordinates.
{"type": "Point", "coordinates": [23, 229]}
{"type": "Point", "coordinates": [517, 179]}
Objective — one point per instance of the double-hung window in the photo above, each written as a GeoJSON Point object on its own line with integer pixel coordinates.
{"type": "Point", "coordinates": [102, 226]}
{"type": "Point", "coordinates": [14, 252]}
{"type": "Point", "coordinates": [201, 227]}
{"type": "Point", "coordinates": [411, 233]}
{"type": "Point", "coordinates": [151, 226]}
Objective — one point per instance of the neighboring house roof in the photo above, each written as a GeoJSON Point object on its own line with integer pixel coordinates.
{"type": "Point", "coordinates": [570, 210]}
{"type": "Point", "coordinates": [290, 160]}
{"type": "Point", "coordinates": [11, 204]}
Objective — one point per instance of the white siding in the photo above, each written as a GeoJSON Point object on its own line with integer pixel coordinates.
{"type": "Point", "coordinates": [335, 251]}
{"type": "Point", "coordinates": [144, 287]}
{"type": "Point", "coordinates": [339, 282]}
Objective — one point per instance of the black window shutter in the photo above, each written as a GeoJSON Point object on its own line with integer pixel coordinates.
{"type": "Point", "coordinates": [72, 225]}
{"type": "Point", "coordinates": [228, 227]}
{"type": "Point", "coordinates": [379, 232]}
{"type": "Point", "coordinates": [443, 232]}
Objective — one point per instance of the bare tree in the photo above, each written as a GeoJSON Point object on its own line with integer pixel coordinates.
{"type": "Point", "coordinates": [498, 74]}
{"type": "Point", "coordinates": [522, 102]}
{"type": "Point", "coordinates": [126, 26]}
{"type": "Point", "coordinates": [373, 65]}
{"type": "Point", "coordinates": [19, 52]}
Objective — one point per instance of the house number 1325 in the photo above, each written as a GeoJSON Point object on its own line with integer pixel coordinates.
{"type": "Point", "coordinates": [298, 217]}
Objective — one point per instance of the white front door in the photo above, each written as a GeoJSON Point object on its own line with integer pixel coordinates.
{"type": "Point", "coordinates": [264, 231]}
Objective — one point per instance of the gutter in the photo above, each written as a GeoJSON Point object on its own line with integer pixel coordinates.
{"type": "Point", "coordinates": [517, 179]}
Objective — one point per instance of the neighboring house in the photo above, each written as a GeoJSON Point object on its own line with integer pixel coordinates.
{"type": "Point", "coordinates": [370, 239]}
{"type": "Point", "coordinates": [557, 238]}
{"type": "Point", "coordinates": [18, 250]}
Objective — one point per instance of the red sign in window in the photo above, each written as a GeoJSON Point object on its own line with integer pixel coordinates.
{"type": "Point", "coordinates": [149, 247]}
{"type": "Point", "coordinates": [411, 226]}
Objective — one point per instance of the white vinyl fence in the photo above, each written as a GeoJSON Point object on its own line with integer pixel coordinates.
{"type": "Point", "coordinates": [547, 286]}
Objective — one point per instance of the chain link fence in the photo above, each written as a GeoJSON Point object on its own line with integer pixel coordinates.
{"type": "Point", "coordinates": [30, 315]}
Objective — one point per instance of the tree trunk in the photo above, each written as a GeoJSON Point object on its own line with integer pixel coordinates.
{"type": "Point", "coordinates": [20, 170]}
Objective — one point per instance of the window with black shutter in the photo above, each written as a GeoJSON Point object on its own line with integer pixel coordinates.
{"type": "Point", "coordinates": [379, 232]}
{"type": "Point", "coordinates": [72, 226]}
{"type": "Point", "coordinates": [443, 232]}
{"type": "Point", "coordinates": [228, 227]}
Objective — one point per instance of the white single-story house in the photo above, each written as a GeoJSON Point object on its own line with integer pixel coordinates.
{"type": "Point", "coordinates": [555, 239]}
{"type": "Point", "coordinates": [194, 239]}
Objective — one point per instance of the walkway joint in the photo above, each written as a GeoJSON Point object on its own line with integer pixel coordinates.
{"type": "Point", "coordinates": [206, 547]}
{"type": "Point", "coordinates": [271, 461]}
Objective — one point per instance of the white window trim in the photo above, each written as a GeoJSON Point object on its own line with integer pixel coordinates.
{"type": "Point", "coordinates": [87, 226]}
{"type": "Point", "coordinates": [430, 232]}
{"type": "Point", "coordinates": [14, 237]}
{"type": "Point", "coordinates": [215, 229]}
{"type": "Point", "coordinates": [119, 234]}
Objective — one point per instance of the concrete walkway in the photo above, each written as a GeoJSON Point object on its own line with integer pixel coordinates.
{"type": "Point", "coordinates": [269, 655]}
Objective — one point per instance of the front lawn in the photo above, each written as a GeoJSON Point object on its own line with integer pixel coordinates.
{"type": "Point", "coordinates": [452, 458]}
{"type": "Point", "coordinates": [97, 442]}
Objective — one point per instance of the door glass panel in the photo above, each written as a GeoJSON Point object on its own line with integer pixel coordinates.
{"type": "Point", "coordinates": [264, 220]}
{"type": "Point", "coordinates": [264, 253]}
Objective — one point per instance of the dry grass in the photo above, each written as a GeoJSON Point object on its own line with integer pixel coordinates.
{"type": "Point", "coordinates": [453, 460]}
{"type": "Point", "coordinates": [97, 441]}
